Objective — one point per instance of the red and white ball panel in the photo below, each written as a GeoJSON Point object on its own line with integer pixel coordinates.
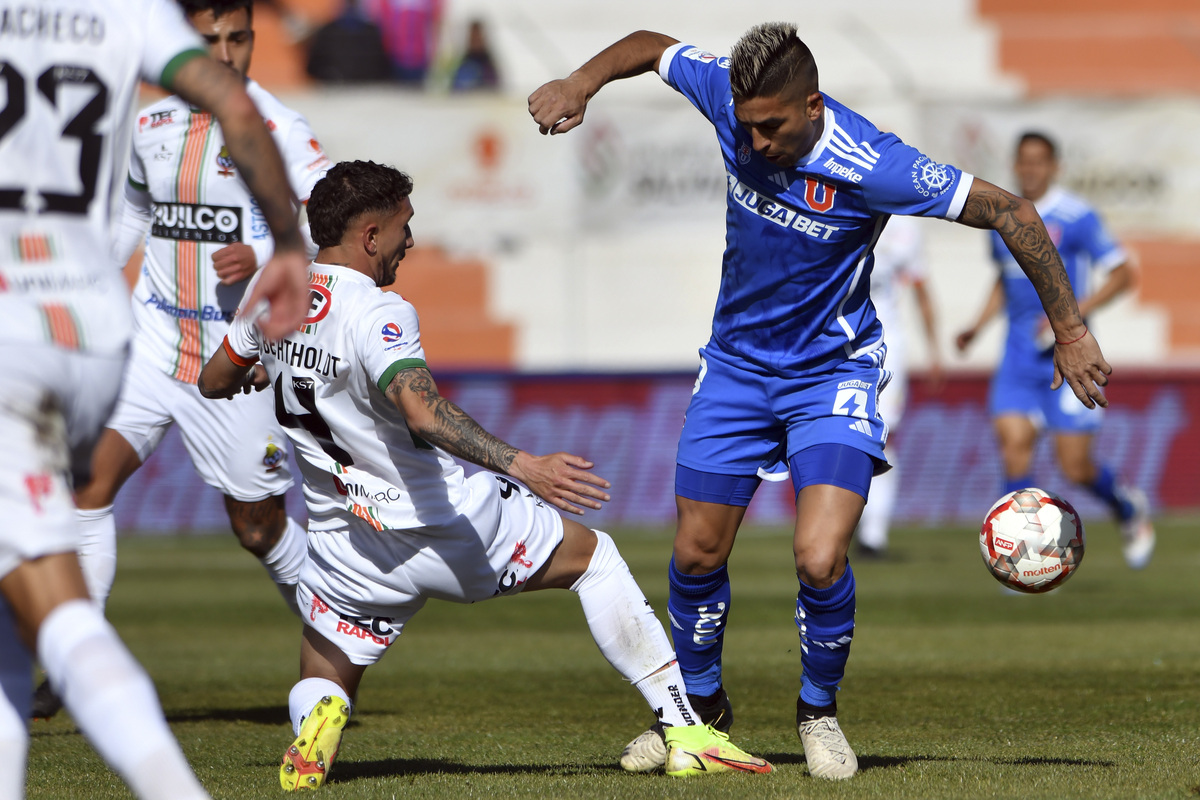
{"type": "Point", "coordinates": [1032, 540]}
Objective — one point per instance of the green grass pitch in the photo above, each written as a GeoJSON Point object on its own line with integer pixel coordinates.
{"type": "Point", "coordinates": [954, 688]}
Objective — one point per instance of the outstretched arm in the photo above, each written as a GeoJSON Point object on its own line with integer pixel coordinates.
{"type": "Point", "coordinates": [1077, 357]}
{"type": "Point", "coordinates": [561, 479]}
{"type": "Point", "coordinates": [558, 106]}
{"type": "Point", "coordinates": [929, 324]}
{"type": "Point", "coordinates": [1121, 279]}
{"type": "Point", "coordinates": [992, 307]}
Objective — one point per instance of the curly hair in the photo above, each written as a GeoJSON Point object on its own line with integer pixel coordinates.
{"type": "Point", "coordinates": [349, 190]}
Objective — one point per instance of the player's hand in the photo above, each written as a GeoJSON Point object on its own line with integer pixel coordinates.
{"type": "Point", "coordinates": [255, 380]}
{"type": "Point", "coordinates": [283, 287]}
{"type": "Point", "coordinates": [558, 106]}
{"type": "Point", "coordinates": [235, 263]}
{"type": "Point", "coordinates": [1044, 335]}
{"type": "Point", "coordinates": [964, 339]}
{"type": "Point", "coordinates": [562, 480]}
{"type": "Point", "coordinates": [1082, 366]}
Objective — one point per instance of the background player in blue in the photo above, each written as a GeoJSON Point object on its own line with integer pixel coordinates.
{"type": "Point", "coordinates": [1020, 400]}
{"type": "Point", "coordinates": [795, 361]}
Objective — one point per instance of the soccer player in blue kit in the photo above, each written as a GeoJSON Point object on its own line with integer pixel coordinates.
{"type": "Point", "coordinates": [1021, 400]}
{"type": "Point", "coordinates": [796, 359]}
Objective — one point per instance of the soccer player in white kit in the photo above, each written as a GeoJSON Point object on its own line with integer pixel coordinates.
{"type": "Point", "coordinates": [207, 238]}
{"type": "Point", "coordinates": [392, 519]}
{"type": "Point", "coordinates": [899, 263]}
{"type": "Point", "coordinates": [70, 71]}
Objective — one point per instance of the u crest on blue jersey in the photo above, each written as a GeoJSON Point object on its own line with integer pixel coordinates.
{"type": "Point", "coordinates": [744, 154]}
{"type": "Point", "coordinates": [811, 187]}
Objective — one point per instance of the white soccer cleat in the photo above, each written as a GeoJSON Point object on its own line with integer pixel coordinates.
{"type": "Point", "coordinates": [646, 753]}
{"type": "Point", "coordinates": [826, 750]}
{"type": "Point", "coordinates": [1138, 531]}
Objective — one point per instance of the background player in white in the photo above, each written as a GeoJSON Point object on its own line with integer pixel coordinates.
{"type": "Point", "coordinates": [190, 285]}
{"type": "Point", "coordinates": [899, 263]}
{"type": "Point", "coordinates": [1020, 401]}
{"type": "Point", "coordinates": [392, 520]}
{"type": "Point", "coordinates": [70, 70]}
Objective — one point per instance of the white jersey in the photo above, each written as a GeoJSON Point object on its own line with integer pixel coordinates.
{"type": "Point", "coordinates": [899, 262]}
{"type": "Point", "coordinates": [69, 71]}
{"type": "Point", "coordinates": [354, 449]}
{"type": "Point", "coordinates": [182, 175]}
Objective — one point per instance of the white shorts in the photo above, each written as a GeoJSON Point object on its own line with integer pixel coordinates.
{"type": "Point", "coordinates": [235, 445]}
{"type": "Point", "coordinates": [53, 404]}
{"type": "Point", "coordinates": [358, 587]}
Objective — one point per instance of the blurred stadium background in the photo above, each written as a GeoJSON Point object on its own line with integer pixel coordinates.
{"type": "Point", "coordinates": [565, 284]}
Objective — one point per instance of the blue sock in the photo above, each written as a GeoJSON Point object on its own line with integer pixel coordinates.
{"type": "Point", "coordinates": [1105, 487]}
{"type": "Point", "coordinates": [698, 606]}
{"type": "Point", "coordinates": [1018, 483]}
{"type": "Point", "coordinates": [825, 618]}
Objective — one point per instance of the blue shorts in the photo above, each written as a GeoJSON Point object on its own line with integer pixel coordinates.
{"type": "Point", "coordinates": [746, 423]}
{"type": "Point", "coordinates": [1023, 388]}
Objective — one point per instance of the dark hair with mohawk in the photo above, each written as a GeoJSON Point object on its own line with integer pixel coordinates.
{"type": "Point", "coordinates": [770, 59]}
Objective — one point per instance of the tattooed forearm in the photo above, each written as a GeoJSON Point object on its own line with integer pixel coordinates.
{"type": "Point", "coordinates": [446, 425]}
{"type": "Point", "coordinates": [1017, 222]}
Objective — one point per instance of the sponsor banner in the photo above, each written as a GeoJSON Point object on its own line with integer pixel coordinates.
{"type": "Point", "coordinates": [629, 426]}
{"type": "Point", "coordinates": [197, 223]}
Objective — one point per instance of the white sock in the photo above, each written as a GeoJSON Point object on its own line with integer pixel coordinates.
{"type": "Point", "coordinates": [625, 628]}
{"type": "Point", "coordinates": [16, 690]}
{"type": "Point", "coordinates": [667, 695]}
{"type": "Point", "coordinates": [284, 560]}
{"type": "Point", "coordinates": [98, 551]}
{"type": "Point", "coordinates": [307, 693]}
{"type": "Point", "coordinates": [113, 702]}
{"type": "Point", "coordinates": [877, 516]}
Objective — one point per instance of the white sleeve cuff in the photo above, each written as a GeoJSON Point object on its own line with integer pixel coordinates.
{"type": "Point", "coordinates": [664, 61]}
{"type": "Point", "coordinates": [960, 196]}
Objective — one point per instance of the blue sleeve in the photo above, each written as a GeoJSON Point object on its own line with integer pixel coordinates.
{"type": "Point", "coordinates": [905, 181]}
{"type": "Point", "coordinates": [1100, 246]}
{"type": "Point", "coordinates": [699, 76]}
{"type": "Point", "coordinates": [1000, 252]}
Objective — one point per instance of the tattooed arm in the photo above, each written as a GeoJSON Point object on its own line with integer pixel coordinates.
{"type": "Point", "coordinates": [1077, 357]}
{"type": "Point", "coordinates": [561, 479]}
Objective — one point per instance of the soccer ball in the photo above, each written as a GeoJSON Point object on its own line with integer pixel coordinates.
{"type": "Point", "coordinates": [1032, 540]}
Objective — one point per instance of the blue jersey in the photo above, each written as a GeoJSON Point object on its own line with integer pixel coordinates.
{"type": "Point", "coordinates": [795, 278]}
{"type": "Point", "coordinates": [1084, 245]}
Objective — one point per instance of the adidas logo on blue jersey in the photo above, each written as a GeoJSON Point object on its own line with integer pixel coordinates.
{"type": "Point", "coordinates": [845, 148]}
{"type": "Point", "coordinates": [862, 426]}
{"type": "Point", "coordinates": [779, 179]}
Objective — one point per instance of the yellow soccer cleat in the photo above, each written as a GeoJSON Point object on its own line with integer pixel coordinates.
{"type": "Point", "coordinates": [307, 762]}
{"type": "Point", "coordinates": [704, 750]}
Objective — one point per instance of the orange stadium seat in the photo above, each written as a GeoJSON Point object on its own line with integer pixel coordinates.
{"type": "Point", "coordinates": [1098, 47]}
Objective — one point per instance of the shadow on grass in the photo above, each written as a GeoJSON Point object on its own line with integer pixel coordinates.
{"type": "Point", "coordinates": [264, 715]}
{"type": "Point", "coordinates": [400, 767]}
{"type": "Point", "coordinates": [866, 762]}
